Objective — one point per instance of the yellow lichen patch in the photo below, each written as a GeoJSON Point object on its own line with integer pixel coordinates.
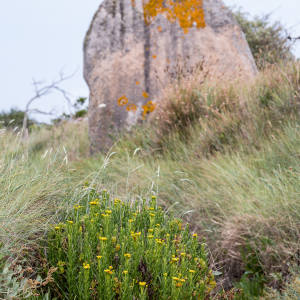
{"type": "Point", "coordinates": [122, 100]}
{"type": "Point", "coordinates": [168, 62]}
{"type": "Point", "coordinates": [186, 12]}
{"type": "Point", "coordinates": [131, 107]}
{"type": "Point", "coordinates": [148, 108]}
{"type": "Point", "coordinates": [154, 56]}
{"type": "Point", "coordinates": [159, 29]}
{"type": "Point", "coordinates": [133, 3]}
{"type": "Point", "coordinates": [147, 48]}
{"type": "Point", "coordinates": [145, 95]}
{"type": "Point", "coordinates": [137, 83]}
{"type": "Point", "coordinates": [185, 30]}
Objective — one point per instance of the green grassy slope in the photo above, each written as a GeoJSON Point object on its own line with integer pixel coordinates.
{"type": "Point", "coordinates": [224, 156]}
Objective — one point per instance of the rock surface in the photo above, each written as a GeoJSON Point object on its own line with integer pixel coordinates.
{"type": "Point", "coordinates": [128, 48]}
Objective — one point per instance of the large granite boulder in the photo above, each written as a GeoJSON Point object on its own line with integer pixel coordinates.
{"type": "Point", "coordinates": [131, 43]}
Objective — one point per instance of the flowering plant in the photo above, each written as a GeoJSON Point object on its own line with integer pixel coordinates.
{"type": "Point", "coordinates": [121, 250]}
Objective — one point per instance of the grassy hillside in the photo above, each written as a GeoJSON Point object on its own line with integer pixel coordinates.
{"type": "Point", "coordinates": [223, 155]}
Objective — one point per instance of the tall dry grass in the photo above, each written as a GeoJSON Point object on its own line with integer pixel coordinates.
{"type": "Point", "coordinates": [34, 190]}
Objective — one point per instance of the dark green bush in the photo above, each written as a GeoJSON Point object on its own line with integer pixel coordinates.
{"type": "Point", "coordinates": [14, 114]}
{"type": "Point", "coordinates": [268, 41]}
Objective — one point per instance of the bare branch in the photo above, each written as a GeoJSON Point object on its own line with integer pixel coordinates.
{"type": "Point", "coordinates": [43, 112]}
{"type": "Point", "coordinates": [293, 38]}
{"type": "Point", "coordinates": [46, 90]}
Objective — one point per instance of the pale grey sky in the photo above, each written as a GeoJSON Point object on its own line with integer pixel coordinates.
{"type": "Point", "coordinates": [39, 37]}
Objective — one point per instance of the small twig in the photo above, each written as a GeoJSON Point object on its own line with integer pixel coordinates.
{"type": "Point", "coordinates": [46, 90]}
{"type": "Point", "coordinates": [293, 38]}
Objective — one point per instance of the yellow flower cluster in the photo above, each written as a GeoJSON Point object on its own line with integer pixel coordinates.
{"type": "Point", "coordinates": [77, 206]}
{"type": "Point", "coordinates": [130, 236]}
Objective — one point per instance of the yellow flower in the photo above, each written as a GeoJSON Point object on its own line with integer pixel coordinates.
{"type": "Point", "coordinates": [125, 272]}
{"type": "Point", "coordinates": [134, 214]}
{"type": "Point", "coordinates": [110, 267]}
{"type": "Point", "coordinates": [175, 278]}
{"type": "Point", "coordinates": [127, 255]}
{"type": "Point", "coordinates": [152, 215]}
{"type": "Point", "coordinates": [99, 257]}
{"type": "Point", "coordinates": [130, 220]}
{"type": "Point", "coordinates": [157, 225]}
{"type": "Point", "coordinates": [150, 236]}
{"type": "Point", "coordinates": [191, 271]}
{"type": "Point", "coordinates": [70, 222]}
{"type": "Point", "coordinates": [138, 234]}
{"type": "Point", "coordinates": [195, 235]}
{"type": "Point", "coordinates": [142, 283]}
{"type": "Point", "coordinates": [151, 208]}
{"type": "Point", "coordinates": [57, 227]}
{"type": "Point", "coordinates": [182, 280]}
{"type": "Point", "coordinates": [96, 214]}
{"type": "Point", "coordinates": [108, 212]}
{"type": "Point", "coordinates": [118, 247]}
{"type": "Point", "coordinates": [92, 221]}
{"type": "Point", "coordinates": [182, 254]}
{"type": "Point", "coordinates": [174, 260]}
{"type": "Point", "coordinates": [86, 266]}
{"type": "Point", "coordinates": [103, 215]}
{"type": "Point", "coordinates": [103, 238]}
{"type": "Point", "coordinates": [165, 274]}
{"type": "Point", "coordinates": [150, 230]}
{"type": "Point", "coordinates": [106, 271]}
{"type": "Point", "coordinates": [94, 203]}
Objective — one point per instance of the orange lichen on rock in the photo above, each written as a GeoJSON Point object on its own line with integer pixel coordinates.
{"type": "Point", "coordinates": [131, 107]}
{"type": "Point", "coordinates": [154, 56]}
{"type": "Point", "coordinates": [137, 83]}
{"type": "Point", "coordinates": [186, 12]}
{"type": "Point", "coordinates": [159, 29]}
{"type": "Point", "coordinates": [148, 108]}
{"type": "Point", "coordinates": [146, 95]}
{"type": "Point", "coordinates": [122, 100]}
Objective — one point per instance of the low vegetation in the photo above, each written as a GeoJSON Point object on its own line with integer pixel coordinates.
{"type": "Point", "coordinates": [125, 250]}
{"type": "Point", "coordinates": [268, 41]}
